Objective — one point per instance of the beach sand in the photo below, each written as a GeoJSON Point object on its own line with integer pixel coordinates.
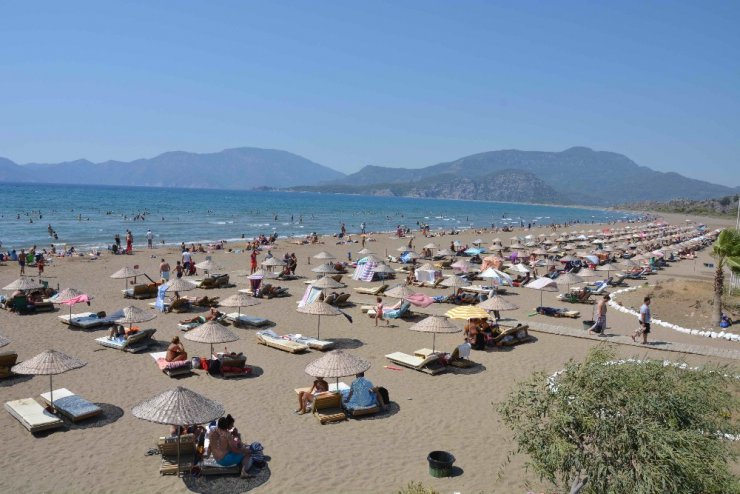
{"type": "Point", "coordinates": [454, 412]}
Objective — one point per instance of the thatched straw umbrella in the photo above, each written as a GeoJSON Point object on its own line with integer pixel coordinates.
{"type": "Point", "coordinates": [211, 332]}
{"type": "Point", "coordinates": [239, 300]}
{"type": "Point", "coordinates": [319, 308]}
{"type": "Point", "coordinates": [179, 407]}
{"type": "Point", "coordinates": [49, 363]}
{"type": "Point", "coordinates": [23, 283]}
{"type": "Point", "coordinates": [133, 315]}
{"type": "Point", "coordinates": [434, 325]}
{"type": "Point", "coordinates": [337, 363]}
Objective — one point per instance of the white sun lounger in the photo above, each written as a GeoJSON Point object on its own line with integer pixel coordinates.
{"type": "Point", "coordinates": [430, 364]}
{"type": "Point", "coordinates": [133, 344]}
{"type": "Point", "coordinates": [244, 319]}
{"type": "Point", "coordinates": [70, 405]}
{"type": "Point", "coordinates": [32, 415]}
{"type": "Point", "coordinates": [314, 343]}
{"type": "Point", "coordinates": [271, 339]}
{"type": "Point", "coordinates": [86, 320]}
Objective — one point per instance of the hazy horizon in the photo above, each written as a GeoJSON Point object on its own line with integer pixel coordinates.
{"type": "Point", "coordinates": [398, 84]}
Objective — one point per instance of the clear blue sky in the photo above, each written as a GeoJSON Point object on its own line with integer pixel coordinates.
{"type": "Point", "coordinates": [396, 83]}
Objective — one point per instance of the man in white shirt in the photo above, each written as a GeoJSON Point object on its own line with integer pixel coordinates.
{"type": "Point", "coordinates": [644, 320]}
{"type": "Point", "coordinates": [186, 259]}
{"type": "Point", "coordinates": [149, 238]}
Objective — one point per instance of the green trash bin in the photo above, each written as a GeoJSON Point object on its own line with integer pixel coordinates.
{"type": "Point", "coordinates": [440, 464]}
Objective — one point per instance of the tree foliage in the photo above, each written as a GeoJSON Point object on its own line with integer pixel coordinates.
{"type": "Point", "coordinates": [637, 428]}
{"type": "Point", "coordinates": [726, 252]}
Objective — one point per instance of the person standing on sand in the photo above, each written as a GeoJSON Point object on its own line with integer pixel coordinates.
{"type": "Point", "coordinates": [149, 238]}
{"type": "Point", "coordinates": [600, 317]}
{"type": "Point", "coordinates": [179, 269]}
{"type": "Point", "coordinates": [22, 262]}
{"type": "Point", "coordinates": [129, 242]}
{"type": "Point", "coordinates": [253, 261]}
{"type": "Point", "coordinates": [644, 320]}
{"type": "Point", "coordinates": [164, 270]}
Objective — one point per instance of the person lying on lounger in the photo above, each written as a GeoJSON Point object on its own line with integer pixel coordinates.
{"type": "Point", "coordinates": [305, 398]}
{"type": "Point", "coordinates": [212, 315]}
{"type": "Point", "coordinates": [121, 332]}
{"type": "Point", "coordinates": [176, 352]}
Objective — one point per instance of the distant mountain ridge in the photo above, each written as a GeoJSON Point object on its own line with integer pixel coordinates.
{"type": "Point", "coordinates": [238, 168]}
{"type": "Point", "coordinates": [578, 175]}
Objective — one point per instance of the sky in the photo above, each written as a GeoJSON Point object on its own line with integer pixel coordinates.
{"type": "Point", "coordinates": [390, 83]}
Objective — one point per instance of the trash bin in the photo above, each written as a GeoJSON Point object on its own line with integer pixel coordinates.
{"type": "Point", "coordinates": [440, 463]}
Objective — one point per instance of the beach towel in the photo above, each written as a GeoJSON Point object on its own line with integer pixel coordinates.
{"type": "Point", "coordinates": [364, 270]}
{"type": "Point", "coordinates": [420, 300]}
{"type": "Point", "coordinates": [161, 292]}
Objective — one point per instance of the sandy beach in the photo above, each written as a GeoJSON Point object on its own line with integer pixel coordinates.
{"type": "Point", "coordinates": [454, 412]}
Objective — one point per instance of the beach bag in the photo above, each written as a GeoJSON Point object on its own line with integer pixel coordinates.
{"type": "Point", "coordinates": [214, 367]}
{"type": "Point", "coordinates": [384, 395]}
{"type": "Point", "coordinates": [204, 363]}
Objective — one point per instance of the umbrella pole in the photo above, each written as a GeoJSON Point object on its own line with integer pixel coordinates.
{"type": "Point", "coordinates": [540, 298]}
{"type": "Point", "coordinates": [179, 431]}
{"type": "Point", "coordinates": [318, 330]}
{"type": "Point", "coordinates": [434, 341]}
{"type": "Point", "coordinates": [51, 393]}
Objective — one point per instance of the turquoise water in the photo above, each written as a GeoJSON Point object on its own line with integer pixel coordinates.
{"type": "Point", "coordinates": [87, 216]}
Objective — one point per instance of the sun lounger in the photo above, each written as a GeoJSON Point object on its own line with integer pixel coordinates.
{"type": "Point", "coordinates": [271, 339]}
{"type": "Point", "coordinates": [172, 369]}
{"type": "Point", "coordinates": [246, 320]}
{"type": "Point", "coordinates": [86, 320]}
{"type": "Point", "coordinates": [141, 291]}
{"type": "Point", "coordinates": [460, 357]}
{"type": "Point", "coordinates": [233, 365]}
{"type": "Point", "coordinates": [342, 300]}
{"type": "Point", "coordinates": [168, 450]}
{"type": "Point", "coordinates": [33, 416]}
{"type": "Point", "coordinates": [314, 343]}
{"type": "Point", "coordinates": [430, 365]}
{"type": "Point", "coordinates": [378, 290]}
{"type": "Point", "coordinates": [327, 407]}
{"type": "Point", "coordinates": [512, 335]}
{"type": "Point", "coordinates": [71, 406]}
{"type": "Point", "coordinates": [215, 281]}
{"type": "Point", "coordinates": [7, 360]}
{"type": "Point", "coordinates": [368, 410]}
{"type": "Point", "coordinates": [134, 343]}
{"type": "Point", "coordinates": [555, 312]}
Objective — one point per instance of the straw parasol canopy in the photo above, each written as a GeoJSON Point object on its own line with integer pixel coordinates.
{"type": "Point", "coordinates": [127, 272]}
{"type": "Point", "coordinates": [455, 282]}
{"type": "Point", "coordinates": [434, 325]}
{"type": "Point", "coordinates": [519, 268]}
{"type": "Point", "coordinates": [629, 263]}
{"type": "Point", "coordinates": [24, 283]}
{"type": "Point", "coordinates": [239, 300]}
{"type": "Point", "coordinates": [371, 257]}
{"type": "Point", "coordinates": [337, 363]}
{"type": "Point", "coordinates": [178, 406]}
{"type": "Point", "coordinates": [400, 291]}
{"type": "Point", "coordinates": [319, 308]}
{"type": "Point", "coordinates": [543, 284]}
{"type": "Point", "coordinates": [4, 341]}
{"type": "Point", "coordinates": [431, 245]}
{"type": "Point", "coordinates": [211, 332]}
{"type": "Point", "coordinates": [208, 265]}
{"type": "Point", "coordinates": [49, 363]}
{"type": "Point", "coordinates": [323, 255]}
{"type": "Point", "coordinates": [568, 279]}
{"type": "Point", "coordinates": [467, 312]}
{"type": "Point", "coordinates": [132, 315]}
{"type": "Point", "coordinates": [608, 267]}
{"type": "Point", "coordinates": [383, 269]}
{"type": "Point", "coordinates": [180, 285]}
{"type": "Point", "coordinates": [327, 268]}
{"type": "Point", "coordinates": [365, 252]}
{"type": "Point", "coordinates": [326, 282]}
{"type": "Point", "coordinates": [444, 252]}
{"type": "Point", "coordinates": [71, 296]}
{"type": "Point", "coordinates": [497, 303]}
{"type": "Point", "coordinates": [273, 261]}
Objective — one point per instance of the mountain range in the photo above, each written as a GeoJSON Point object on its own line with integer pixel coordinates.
{"type": "Point", "coordinates": [239, 168]}
{"type": "Point", "coordinates": [578, 175]}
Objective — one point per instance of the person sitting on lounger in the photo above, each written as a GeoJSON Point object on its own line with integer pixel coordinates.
{"type": "Point", "coordinates": [224, 448]}
{"type": "Point", "coordinates": [305, 398]}
{"type": "Point", "coordinates": [121, 332]}
{"type": "Point", "coordinates": [176, 352]}
{"type": "Point", "coordinates": [361, 393]}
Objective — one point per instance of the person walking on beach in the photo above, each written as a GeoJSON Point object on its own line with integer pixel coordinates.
{"type": "Point", "coordinates": [253, 261]}
{"type": "Point", "coordinates": [179, 270]}
{"type": "Point", "coordinates": [149, 238]}
{"type": "Point", "coordinates": [379, 312]}
{"type": "Point", "coordinates": [186, 260]}
{"type": "Point", "coordinates": [644, 320]}
{"type": "Point", "coordinates": [164, 270]}
{"type": "Point", "coordinates": [129, 242]}
{"type": "Point", "coordinates": [22, 262]}
{"type": "Point", "coordinates": [600, 317]}
{"type": "Point", "coordinates": [40, 265]}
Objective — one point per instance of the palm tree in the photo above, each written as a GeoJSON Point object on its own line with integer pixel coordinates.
{"type": "Point", "coordinates": [726, 251]}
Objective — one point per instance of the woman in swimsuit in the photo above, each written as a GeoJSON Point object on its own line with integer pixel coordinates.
{"type": "Point", "coordinates": [176, 352]}
{"type": "Point", "coordinates": [305, 398]}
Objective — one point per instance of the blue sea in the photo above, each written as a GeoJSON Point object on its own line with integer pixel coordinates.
{"type": "Point", "coordinates": [90, 216]}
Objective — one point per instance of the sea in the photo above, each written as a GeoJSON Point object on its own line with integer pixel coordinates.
{"type": "Point", "coordinates": [89, 216]}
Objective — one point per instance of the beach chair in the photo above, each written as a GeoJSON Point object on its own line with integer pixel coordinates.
{"type": "Point", "coordinates": [313, 343]}
{"type": "Point", "coordinates": [233, 365]}
{"type": "Point", "coordinates": [327, 407]}
{"type": "Point", "coordinates": [429, 364]}
{"type": "Point", "coordinates": [555, 312]}
{"type": "Point", "coordinates": [167, 447]}
{"type": "Point", "coordinates": [72, 406]}
{"type": "Point", "coordinates": [378, 290]}
{"type": "Point", "coordinates": [33, 416]}
{"type": "Point", "coordinates": [88, 320]}
{"type": "Point", "coordinates": [141, 292]}
{"type": "Point", "coordinates": [460, 357]}
{"type": "Point", "coordinates": [511, 335]}
{"type": "Point", "coordinates": [215, 281]}
{"type": "Point", "coordinates": [271, 339]}
{"type": "Point", "coordinates": [342, 300]}
{"type": "Point", "coordinates": [7, 360]}
{"type": "Point", "coordinates": [618, 281]}
{"type": "Point", "coordinates": [172, 369]}
{"type": "Point", "coordinates": [400, 313]}
{"type": "Point", "coordinates": [21, 305]}
{"type": "Point", "coordinates": [134, 343]}
{"type": "Point", "coordinates": [246, 320]}
{"type": "Point", "coordinates": [368, 410]}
